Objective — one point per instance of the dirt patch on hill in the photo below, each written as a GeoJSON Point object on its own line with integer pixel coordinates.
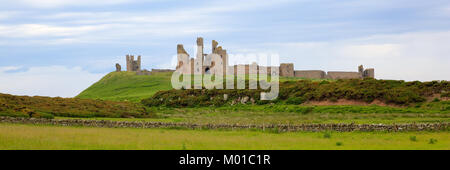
{"type": "Point", "coordinates": [362, 103]}
{"type": "Point", "coordinates": [436, 96]}
{"type": "Point", "coordinates": [348, 102]}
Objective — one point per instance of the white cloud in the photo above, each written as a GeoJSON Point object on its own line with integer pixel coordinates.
{"type": "Point", "coordinates": [371, 51]}
{"type": "Point", "coordinates": [116, 26]}
{"type": "Point", "coordinates": [63, 3]}
{"type": "Point", "coordinates": [36, 30]}
{"type": "Point", "coordinates": [7, 14]}
{"type": "Point", "coordinates": [410, 56]}
{"type": "Point", "coordinates": [46, 81]}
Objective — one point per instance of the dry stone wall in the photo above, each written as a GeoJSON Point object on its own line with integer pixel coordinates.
{"type": "Point", "coordinates": [281, 128]}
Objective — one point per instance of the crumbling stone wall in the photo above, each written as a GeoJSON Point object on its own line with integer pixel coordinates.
{"type": "Point", "coordinates": [183, 59]}
{"type": "Point", "coordinates": [143, 72]}
{"type": "Point", "coordinates": [161, 70]}
{"type": "Point", "coordinates": [343, 75]}
{"type": "Point", "coordinates": [118, 67]}
{"type": "Point", "coordinates": [310, 74]}
{"type": "Point", "coordinates": [369, 73]}
{"type": "Point", "coordinates": [287, 69]}
{"type": "Point", "coordinates": [341, 127]}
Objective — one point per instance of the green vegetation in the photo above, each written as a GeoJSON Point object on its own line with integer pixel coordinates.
{"type": "Point", "coordinates": [127, 86]}
{"type": "Point", "coordinates": [297, 92]}
{"type": "Point", "coordinates": [432, 141]}
{"type": "Point", "coordinates": [47, 107]}
{"type": "Point", "coordinates": [125, 96]}
{"type": "Point", "coordinates": [15, 136]}
{"type": "Point", "coordinates": [435, 107]}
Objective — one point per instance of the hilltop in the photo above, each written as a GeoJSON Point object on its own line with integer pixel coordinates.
{"type": "Point", "coordinates": [127, 86]}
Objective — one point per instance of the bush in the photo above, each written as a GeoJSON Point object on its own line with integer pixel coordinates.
{"type": "Point", "coordinates": [295, 100]}
{"type": "Point", "coordinates": [445, 94]}
{"type": "Point", "coordinates": [43, 115]}
{"type": "Point", "coordinates": [333, 99]}
{"type": "Point", "coordinates": [327, 135]}
{"type": "Point", "coordinates": [413, 138]}
{"type": "Point", "coordinates": [432, 141]}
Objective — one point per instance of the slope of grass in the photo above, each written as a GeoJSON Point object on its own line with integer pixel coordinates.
{"type": "Point", "coordinates": [13, 136]}
{"type": "Point", "coordinates": [127, 86]}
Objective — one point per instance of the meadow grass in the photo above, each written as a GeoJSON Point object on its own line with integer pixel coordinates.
{"type": "Point", "coordinates": [18, 136]}
{"type": "Point", "coordinates": [290, 114]}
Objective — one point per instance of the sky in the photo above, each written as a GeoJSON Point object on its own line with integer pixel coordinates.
{"type": "Point", "coordinates": [60, 47]}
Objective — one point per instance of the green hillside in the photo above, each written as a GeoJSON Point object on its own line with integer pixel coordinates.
{"type": "Point", "coordinates": [127, 86]}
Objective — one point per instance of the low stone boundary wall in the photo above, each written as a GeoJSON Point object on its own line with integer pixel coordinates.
{"type": "Point", "coordinates": [281, 128]}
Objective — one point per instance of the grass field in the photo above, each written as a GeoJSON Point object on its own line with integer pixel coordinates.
{"type": "Point", "coordinates": [127, 86]}
{"type": "Point", "coordinates": [295, 114]}
{"type": "Point", "coordinates": [16, 136]}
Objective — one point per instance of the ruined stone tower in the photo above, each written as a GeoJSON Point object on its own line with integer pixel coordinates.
{"type": "Point", "coordinates": [133, 65]}
{"type": "Point", "coordinates": [221, 52]}
{"type": "Point", "coordinates": [203, 62]}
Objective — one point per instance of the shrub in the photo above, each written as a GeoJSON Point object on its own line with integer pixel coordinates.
{"type": "Point", "coordinates": [432, 141]}
{"type": "Point", "coordinates": [445, 94]}
{"type": "Point", "coordinates": [295, 100]}
{"type": "Point", "coordinates": [339, 143]}
{"type": "Point", "coordinates": [327, 135]}
{"type": "Point", "coordinates": [333, 99]}
{"type": "Point", "coordinates": [413, 138]}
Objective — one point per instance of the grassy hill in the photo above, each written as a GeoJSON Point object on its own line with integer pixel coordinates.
{"type": "Point", "coordinates": [127, 86]}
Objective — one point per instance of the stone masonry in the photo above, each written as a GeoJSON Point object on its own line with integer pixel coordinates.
{"type": "Point", "coordinates": [204, 64]}
{"type": "Point", "coordinates": [118, 67]}
{"type": "Point", "coordinates": [285, 69]}
{"type": "Point", "coordinates": [133, 65]}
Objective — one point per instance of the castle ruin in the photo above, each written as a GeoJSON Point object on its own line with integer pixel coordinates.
{"type": "Point", "coordinates": [205, 64]}
{"type": "Point", "coordinates": [285, 69]}
{"type": "Point", "coordinates": [133, 65]}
